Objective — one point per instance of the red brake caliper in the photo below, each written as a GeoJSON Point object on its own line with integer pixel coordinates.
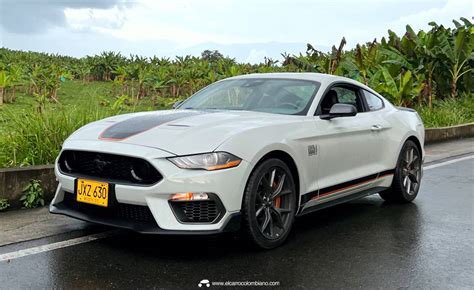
{"type": "Point", "coordinates": [278, 199]}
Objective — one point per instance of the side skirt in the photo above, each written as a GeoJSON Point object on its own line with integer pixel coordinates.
{"type": "Point", "coordinates": [340, 200]}
{"type": "Point", "coordinates": [336, 189]}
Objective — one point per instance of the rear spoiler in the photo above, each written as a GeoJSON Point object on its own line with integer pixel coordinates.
{"type": "Point", "coordinates": [406, 109]}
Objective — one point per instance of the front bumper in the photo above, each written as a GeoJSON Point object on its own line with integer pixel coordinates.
{"type": "Point", "coordinates": [231, 224]}
{"type": "Point", "coordinates": [151, 203]}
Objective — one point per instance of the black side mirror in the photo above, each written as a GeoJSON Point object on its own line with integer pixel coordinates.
{"type": "Point", "coordinates": [340, 110]}
{"type": "Point", "coordinates": [175, 105]}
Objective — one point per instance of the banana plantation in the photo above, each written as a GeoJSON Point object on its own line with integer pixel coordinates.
{"type": "Point", "coordinates": [427, 70]}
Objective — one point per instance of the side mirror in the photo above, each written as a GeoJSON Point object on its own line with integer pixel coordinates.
{"type": "Point", "coordinates": [340, 110]}
{"type": "Point", "coordinates": [175, 105]}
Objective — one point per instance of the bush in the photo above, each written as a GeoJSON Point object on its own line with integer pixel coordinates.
{"type": "Point", "coordinates": [33, 195]}
{"type": "Point", "coordinates": [4, 204]}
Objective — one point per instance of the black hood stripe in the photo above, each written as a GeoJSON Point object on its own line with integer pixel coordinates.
{"type": "Point", "coordinates": [136, 125]}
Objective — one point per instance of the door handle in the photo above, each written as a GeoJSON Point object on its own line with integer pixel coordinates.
{"type": "Point", "coordinates": [376, 128]}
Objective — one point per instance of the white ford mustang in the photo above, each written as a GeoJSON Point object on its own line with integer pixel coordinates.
{"type": "Point", "coordinates": [249, 152]}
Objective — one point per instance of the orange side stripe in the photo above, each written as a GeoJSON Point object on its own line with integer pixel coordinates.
{"type": "Point", "coordinates": [350, 186]}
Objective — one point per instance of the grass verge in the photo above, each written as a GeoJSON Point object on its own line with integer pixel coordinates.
{"type": "Point", "coordinates": [448, 113]}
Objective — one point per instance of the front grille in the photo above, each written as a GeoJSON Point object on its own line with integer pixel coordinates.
{"type": "Point", "coordinates": [198, 211]}
{"type": "Point", "coordinates": [116, 211]}
{"type": "Point", "coordinates": [110, 167]}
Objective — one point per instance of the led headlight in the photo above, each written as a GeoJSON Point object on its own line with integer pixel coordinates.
{"type": "Point", "coordinates": [207, 161]}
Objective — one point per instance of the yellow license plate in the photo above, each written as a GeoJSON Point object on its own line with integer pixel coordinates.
{"type": "Point", "coordinates": [92, 192]}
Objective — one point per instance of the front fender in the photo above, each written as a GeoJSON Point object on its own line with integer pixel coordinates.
{"type": "Point", "coordinates": [254, 151]}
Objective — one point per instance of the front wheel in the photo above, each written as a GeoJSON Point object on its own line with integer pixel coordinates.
{"type": "Point", "coordinates": [269, 204]}
{"type": "Point", "coordinates": [407, 177]}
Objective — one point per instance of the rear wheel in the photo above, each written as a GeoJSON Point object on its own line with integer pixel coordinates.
{"type": "Point", "coordinates": [269, 204]}
{"type": "Point", "coordinates": [407, 177]}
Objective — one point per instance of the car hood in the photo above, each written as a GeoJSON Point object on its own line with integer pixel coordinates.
{"type": "Point", "coordinates": [179, 132]}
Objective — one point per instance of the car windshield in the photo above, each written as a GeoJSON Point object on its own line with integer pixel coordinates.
{"type": "Point", "coordinates": [279, 96]}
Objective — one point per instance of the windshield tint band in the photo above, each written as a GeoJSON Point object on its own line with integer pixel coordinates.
{"type": "Point", "coordinates": [136, 125]}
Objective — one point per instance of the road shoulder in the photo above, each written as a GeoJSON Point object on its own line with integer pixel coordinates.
{"type": "Point", "coordinates": [444, 150]}
{"type": "Point", "coordinates": [29, 224]}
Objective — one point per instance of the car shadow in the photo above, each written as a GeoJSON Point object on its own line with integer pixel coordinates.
{"type": "Point", "coordinates": [314, 228]}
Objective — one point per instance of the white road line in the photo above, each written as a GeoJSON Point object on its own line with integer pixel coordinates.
{"type": "Point", "coordinates": [58, 245]}
{"type": "Point", "coordinates": [90, 238]}
{"type": "Point", "coordinates": [447, 162]}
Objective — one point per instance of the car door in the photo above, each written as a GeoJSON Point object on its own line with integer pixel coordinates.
{"type": "Point", "coordinates": [346, 144]}
{"type": "Point", "coordinates": [381, 130]}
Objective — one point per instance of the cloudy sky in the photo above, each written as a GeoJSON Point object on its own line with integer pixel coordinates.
{"type": "Point", "coordinates": [245, 29]}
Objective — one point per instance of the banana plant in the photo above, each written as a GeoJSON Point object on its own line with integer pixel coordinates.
{"type": "Point", "coordinates": [366, 59]}
{"type": "Point", "coordinates": [15, 79]}
{"type": "Point", "coordinates": [4, 83]}
{"type": "Point", "coordinates": [440, 60]}
{"type": "Point", "coordinates": [401, 89]}
{"type": "Point", "coordinates": [414, 52]}
{"type": "Point", "coordinates": [456, 48]}
{"type": "Point", "coordinates": [40, 99]}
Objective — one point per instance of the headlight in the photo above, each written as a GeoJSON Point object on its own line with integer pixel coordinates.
{"type": "Point", "coordinates": [207, 161]}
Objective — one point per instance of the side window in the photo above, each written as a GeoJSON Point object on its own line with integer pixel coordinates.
{"type": "Point", "coordinates": [346, 96]}
{"type": "Point", "coordinates": [374, 102]}
{"type": "Point", "coordinates": [341, 95]}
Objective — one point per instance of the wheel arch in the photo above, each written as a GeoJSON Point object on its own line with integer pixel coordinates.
{"type": "Point", "coordinates": [417, 143]}
{"type": "Point", "coordinates": [412, 136]}
{"type": "Point", "coordinates": [288, 160]}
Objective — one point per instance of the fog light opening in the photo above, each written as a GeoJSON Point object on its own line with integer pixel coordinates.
{"type": "Point", "coordinates": [69, 161]}
{"type": "Point", "coordinates": [140, 171]}
{"type": "Point", "coordinates": [189, 196]}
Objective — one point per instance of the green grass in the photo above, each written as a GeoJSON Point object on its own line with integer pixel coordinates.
{"type": "Point", "coordinates": [448, 112]}
{"type": "Point", "coordinates": [76, 93]}
{"type": "Point", "coordinates": [30, 138]}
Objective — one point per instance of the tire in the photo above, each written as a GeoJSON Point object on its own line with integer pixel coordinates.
{"type": "Point", "coordinates": [268, 212]}
{"type": "Point", "coordinates": [407, 176]}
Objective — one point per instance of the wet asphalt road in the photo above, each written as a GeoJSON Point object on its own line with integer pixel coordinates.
{"type": "Point", "coordinates": [364, 244]}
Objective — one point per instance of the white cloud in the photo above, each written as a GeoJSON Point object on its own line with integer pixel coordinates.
{"type": "Point", "coordinates": [189, 23]}
{"type": "Point", "coordinates": [153, 20]}
{"type": "Point", "coordinates": [88, 18]}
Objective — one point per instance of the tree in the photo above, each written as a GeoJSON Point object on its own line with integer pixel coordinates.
{"type": "Point", "coordinates": [211, 55]}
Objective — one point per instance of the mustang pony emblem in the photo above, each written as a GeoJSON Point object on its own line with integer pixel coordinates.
{"type": "Point", "coordinates": [100, 164]}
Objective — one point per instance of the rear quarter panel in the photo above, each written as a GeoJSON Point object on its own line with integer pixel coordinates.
{"type": "Point", "coordinates": [405, 124]}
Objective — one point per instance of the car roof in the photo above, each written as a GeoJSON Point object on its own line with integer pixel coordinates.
{"type": "Point", "coordinates": [297, 76]}
{"type": "Point", "coordinates": [324, 79]}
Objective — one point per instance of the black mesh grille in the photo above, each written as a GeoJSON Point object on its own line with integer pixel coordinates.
{"type": "Point", "coordinates": [110, 167]}
{"type": "Point", "coordinates": [116, 211]}
{"type": "Point", "coordinates": [199, 211]}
